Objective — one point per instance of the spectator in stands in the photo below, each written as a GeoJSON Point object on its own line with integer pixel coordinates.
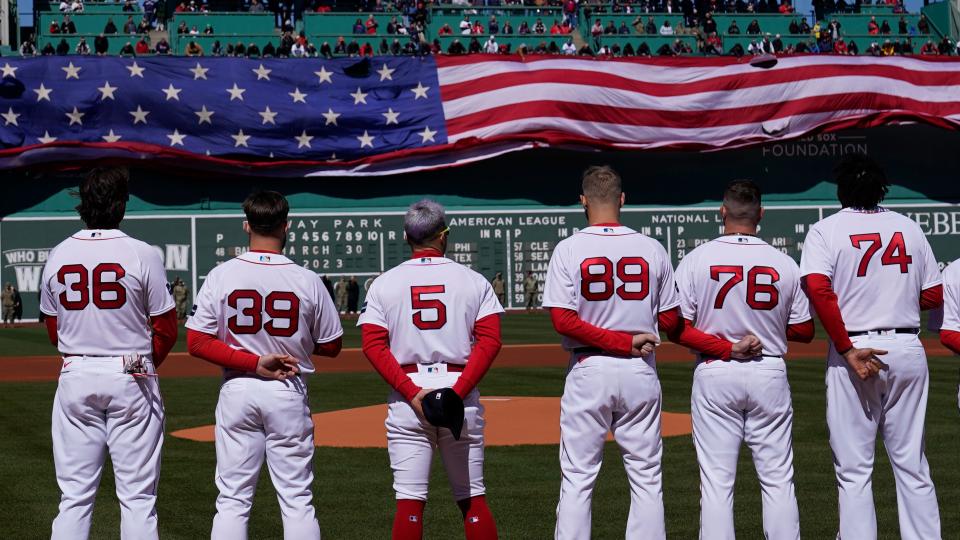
{"type": "Point", "coordinates": [182, 28]}
{"type": "Point", "coordinates": [396, 48]}
{"type": "Point", "coordinates": [82, 47]}
{"type": "Point", "coordinates": [371, 25]}
{"type": "Point", "coordinates": [181, 8]}
{"type": "Point", "coordinates": [48, 50]}
{"type": "Point", "coordinates": [709, 24]}
{"type": "Point", "coordinates": [256, 7]}
{"type": "Point", "coordinates": [286, 44]}
{"type": "Point", "coordinates": [162, 47]}
{"type": "Point", "coordinates": [569, 49]}
{"type": "Point", "coordinates": [208, 30]}
{"type": "Point", "coordinates": [358, 28]}
{"type": "Point", "coordinates": [253, 50]}
{"type": "Point", "coordinates": [833, 28]}
{"type": "Point", "coordinates": [887, 48]}
{"type": "Point", "coordinates": [610, 29]}
{"type": "Point", "coordinates": [150, 10]}
{"type": "Point", "coordinates": [269, 51]}
{"type": "Point", "coordinates": [541, 48]}
{"type": "Point", "coordinates": [649, 28]}
{"type": "Point", "coordinates": [907, 47]}
{"type": "Point", "coordinates": [628, 50]}
{"type": "Point", "coordinates": [946, 46]}
{"type": "Point", "coordinates": [840, 47]}
{"type": "Point", "coordinates": [524, 28]}
{"type": "Point", "coordinates": [885, 28]}
{"type": "Point", "coordinates": [65, 6]}
{"type": "Point", "coordinates": [466, 27]}
{"type": "Point", "coordinates": [142, 46]}
{"type": "Point", "coordinates": [733, 29]}
{"type": "Point", "coordinates": [445, 30]}
{"type": "Point", "coordinates": [491, 46]}
{"type": "Point", "coordinates": [392, 26]}
{"type": "Point", "coordinates": [144, 26]}
{"type": "Point", "coordinates": [216, 49]}
{"type": "Point", "coordinates": [794, 27]}
{"type": "Point", "coordinates": [297, 50]}
{"type": "Point", "coordinates": [596, 30]}
{"type": "Point", "coordinates": [753, 28]}
{"type": "Point", "coordinates": [193, 49]}
{"type": "Point", "coordinates": [194, 31]}
{"type": "Point", "coordinates": [325, 50]}
{"type": "Point", "coordinates": [110, 28]}
{"type": "Point", "coordinates": [100, 45]}
{"type": "Point", "coordinates": [67, 26]}
{"type": "Point", "coordinates": [129, 6]}
{"type": "Point", "coordinates": [777, 44]}
{"type": "Point", "coordinates": [507, 29]}
{"type": "Point", "coordinates": [353, 48]}
{"type": "Point", "coordinates": [623, 30]}
{"type": "Point", "coordinates": [130, 27]}
{"type": "Point", "coordinates": [54, 28]}
{"type": "Point", "coordinates": [127, 50]}
{"type": "Point", "coordinates": [902, 27]}
{"type": "Point", "coordinates": [923, 25]}
{"type": "Point", "coordinates": [666, 29]}
{"type": "Point", "coordinates": [230, 52]}
{"type": "Point", "coordinates": [240, 50]}
{"type": "Point", "coordinates": [340, 48]}
{"type": "Point", "coordinates": [804, 26]}
{"type": "Point", "coordinates": [539, 28]}
{"type": "Point", "coordinates": [714, 45]}
{"type": "Point", "coordinates": [493, 27]}
{"type": "Point", "coordinates": [477, 29]}
{"type": "Point", "coordinates": [63, 48]}
{"type": "Point", "coordinates": [456, 48]}
{"type": "Point", "coordinates": [872, 27]}
{"type": "Point", "coordinates": [754, 48]}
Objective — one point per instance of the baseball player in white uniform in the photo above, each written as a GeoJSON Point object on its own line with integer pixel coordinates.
{"type": "Point", "coordinates": [112, 318]}
{"type": "Point", "coordinates": [868, 272]}
{"type": "Point", "coordinates": [609, 290]}
{"type": "Point", "coordinates": [431, 323]}
{"type": "Point", "coordinates": [950, 327]}
{"type": "Point", "coordinates": [261, 316]}
{"type": "Point", "coordinates": [733, 286]}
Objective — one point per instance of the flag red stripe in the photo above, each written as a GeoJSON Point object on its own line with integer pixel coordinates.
{"type": "Point", "coordinates": [697, 119]}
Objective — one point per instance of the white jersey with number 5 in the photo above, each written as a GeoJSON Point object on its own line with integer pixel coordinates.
{"type": "Point", "coordinates": [103, 287]}
{"type": "Point", "coordinates": [738, 285]}
{"type": "Point", "coordinates": [878, 261]}
{"type": "Point", "coordinates": [613, 277]}
{"type": "Point", "coordinates": [265, 303]}
{"type": "Point", "coordinates": [429, 305]}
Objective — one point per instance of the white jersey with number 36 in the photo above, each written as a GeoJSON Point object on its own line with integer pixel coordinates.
{"type": "Point", "coordinates": [103, 287]}
{"type": "Point", "coordinates": [265, 303]}
{"type": "Point", "coordinates": [613, 277]}
{"type": "Point", "coordinates": [429, 305]}
{"type": "Point", "coordinates": [878, 261]}
{"type": "Point", "coordinates": [738, 285]}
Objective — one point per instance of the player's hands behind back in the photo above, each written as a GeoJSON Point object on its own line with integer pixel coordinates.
{"type": "Point", "coordinates": [748, 347]}
{"type": "Point", "coordinates": [864, 362]}
{"type": "Point", "coordinates": [277, 366]}
{"type": "Point", "coordinates": [643, 344]}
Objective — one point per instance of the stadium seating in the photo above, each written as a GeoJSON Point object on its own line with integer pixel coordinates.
{"type": "Point", "coordinates": [857, 23]}
{"type": "Point", "coordinates": [117, 41]}
{"type": "Point", "coordinates": [452, 16]}
{"type": "Point", "coordinates": [654, 42]}
{"type": "Point", "coordinates": [531, 41]}
{"type": "Point", "coordinates": [87, 23]}
{"type": "Point", "coordinates": [107, 7]}
{"type": "Point", "coordinates": [206, 42]}
{"type": "Point", "coordinates": [226, 23]}
{"type": "Point", "coordinates": [341, 24]}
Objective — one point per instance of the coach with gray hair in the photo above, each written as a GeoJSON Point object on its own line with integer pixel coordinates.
{"type": "Point", "coordinates": [431, 328]}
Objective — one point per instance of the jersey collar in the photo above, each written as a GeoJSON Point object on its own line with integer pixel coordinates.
{"type": "Point", "coordinates": [741, 239]}
{"type": "Point", "coordinates": [99, 234]}
{"type": "Point", "coordinates": [612, 229]}
{"type": "Point", "coordinates": [264, 257]}
{"type": "Point", "coordinates": [426, 253]}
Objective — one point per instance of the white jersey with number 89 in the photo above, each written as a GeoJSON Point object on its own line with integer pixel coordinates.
{"type": "Point", "coordinates": [878, 261]}
{"type": "Point", "coordinates": [429, 305]}
{"type": "Point", "coordinates": [103, 287]}
{"type": "Point", "coordinates": [613, 277]}
{"type": "Point", "coordinates": [264, 303]}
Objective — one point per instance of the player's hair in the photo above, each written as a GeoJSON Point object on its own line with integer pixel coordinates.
{"type": "Point", "coordinates": [425, 219]}
{"type": "Point", "coordinates": [742, 200]}
{"type": "Point", "coordinates": [266, 211]}
{"type": "Point", "coordinates": [861, 182]}
{"type": "Point", "coordinates": [601, 184]}
{"type": "Point", "coordinates": [103, 197]}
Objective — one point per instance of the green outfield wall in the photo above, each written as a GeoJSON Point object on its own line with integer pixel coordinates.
{"type": "Point", "coordinates": [506, 215]}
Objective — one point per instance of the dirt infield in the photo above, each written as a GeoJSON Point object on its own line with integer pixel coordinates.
{"type": "Point", "coordinates": [510, 421]}
{"type": "Point", "coordinates": [47, 368]}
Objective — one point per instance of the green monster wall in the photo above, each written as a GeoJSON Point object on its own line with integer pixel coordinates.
{"type": "Point", "coordinates": [506, 215]}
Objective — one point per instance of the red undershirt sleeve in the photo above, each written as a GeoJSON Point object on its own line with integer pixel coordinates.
{"type": "Point", "coordinates": [568, 323]}
{"type": "Point", "coordinates": [931, 298]}
{"type": "Point", "coordinates": [684, 333]}
{"type": "Point", "coordinates": [164, 335]}
{"type": "Point", "coordinates": [376, 347]}
{"type": "Point", "coordinates": [51, 323]}
{"type": "Point", "coordinates": [950, 340]}
{"type": "Point", "coordinates": [819, 290]}
{"type": "Point", "coordinates": [486, 331]}
{"type": "Point", "coordinates": [330, 349]}
{"type": "Point", "coordinates": [801, 332]}
{"type": "Point", "coordinates": [208, 347]}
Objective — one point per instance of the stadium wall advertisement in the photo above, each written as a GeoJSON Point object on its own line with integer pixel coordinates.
{"type": "Point", "coordinates": [506, 215]}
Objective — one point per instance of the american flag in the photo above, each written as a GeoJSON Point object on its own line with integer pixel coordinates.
{"type": "Point", "coordinates": [386, 115]}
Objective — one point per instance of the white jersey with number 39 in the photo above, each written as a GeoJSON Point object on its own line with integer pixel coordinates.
{"type": "Point", "coordinates": [103, 287]}
{"type": "Point", "coordinates": [878, 261]}
{"type": "Point", "coordinates": [264, 303]}
{"type": "Point", "coordinates": [738, 285]}
{"type": "Point", "coordinates": [429, 305]}
{"type": "Point", "coordinates": [613, 277]}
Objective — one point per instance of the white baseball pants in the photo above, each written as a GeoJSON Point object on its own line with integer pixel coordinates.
{"type": "Point", "coordinates": [410, 445]}
{"type": "Point", "coordinates": [620, 395]}
{"type": "Point", "coordinates": [100, 409]}
{"type": "Point", "coordinates": [895, 404]}
{"type": "Point", "coordinates": [257, 418]}
{"type": "Point", "coordinates": [736, 402]}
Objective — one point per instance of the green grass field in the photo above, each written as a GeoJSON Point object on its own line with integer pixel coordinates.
{"type": "Point", "coordinates": [353, 493]}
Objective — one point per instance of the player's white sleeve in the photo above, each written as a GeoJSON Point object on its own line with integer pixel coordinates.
{"type": "Point", "coordinates": [326, 325]}
{"type": "Point", "coordinates": [489, 305]}
{"type": "Point", "coordinates": [930, 272]}
{"type": "Point", "coordinates": [817, 257]}
{"type": "Point", "coordinates": [951, 297]}
{"type": "Point", "coordinates": [205, 315]}
{"type": "Point", "coordinates": [560, 290]}
{"type": "Point", "coordinates": [800, 307]}
{"type": "Point", "coordinates": [159, 296]}
{"type": "Point", "coordinates": [669, 298]}
{"type": "Point", "coordinates": [687, 288]}
{"type": "Point", "coordinates": [48, 302]}
{"type": "Point", "coordinates": [372, 310]}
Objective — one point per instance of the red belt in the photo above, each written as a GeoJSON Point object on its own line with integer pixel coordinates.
{"type": "Point", "coordinates": [412, 368]}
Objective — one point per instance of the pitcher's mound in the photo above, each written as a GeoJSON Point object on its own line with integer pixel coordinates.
{"type": "Point", "coordinates": [510, 421]}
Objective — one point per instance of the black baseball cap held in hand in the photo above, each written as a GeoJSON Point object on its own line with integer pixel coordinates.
{"type": "Point", "coordinates": [444, 408]}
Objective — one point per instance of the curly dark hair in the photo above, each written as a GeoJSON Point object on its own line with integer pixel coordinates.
{"type": "Point", "coordinates": [266, 211]}
{"type": "Point", "coordinates": [861, 182]}
{"type": "Point", "coordinates": [104, 193]}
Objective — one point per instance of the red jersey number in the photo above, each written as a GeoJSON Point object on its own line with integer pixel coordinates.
{"type": "Point", "coordinates": [762, 296]}
{"type": "Point", "coordinates": [279, 305]}
{"type": "Point", "coordinates": [632, 271]}
{"type": "Point", "coordinates": [419, 303]}
{"type": "Point", "coordinates": [107, 294]}
{"type": "Point", "coordinates": [894, 255]}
